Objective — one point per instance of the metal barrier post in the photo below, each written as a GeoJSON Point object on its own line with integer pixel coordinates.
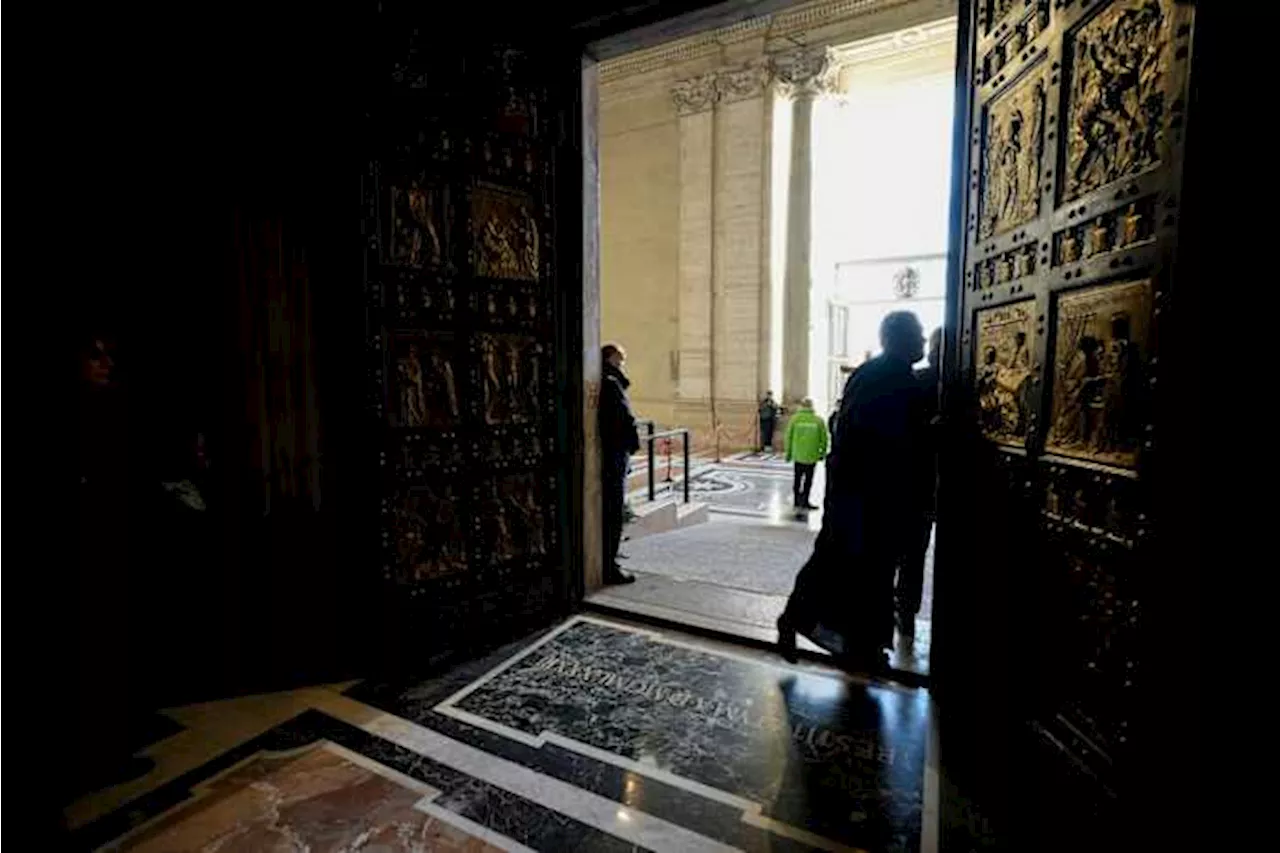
{"type": "Point", "coordinates": [652, 491]}
{"type": "Point", "coordinates": [685, 437]}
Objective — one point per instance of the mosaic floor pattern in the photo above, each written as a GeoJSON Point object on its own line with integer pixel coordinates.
{"type": "Point", "coordinates": [595, 735]}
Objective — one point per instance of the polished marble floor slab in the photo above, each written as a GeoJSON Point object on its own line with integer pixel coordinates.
{"type": "Point", "coordinates": [809, 754]}
{"type": "Point", "coordinates": [593, 735]}
{"type": "Point", "coordinates": [325, 798]}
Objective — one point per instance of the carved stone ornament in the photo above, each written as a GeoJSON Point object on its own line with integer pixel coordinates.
{"type": "Point", "coordinates": [737, 84]}
{"type": "Point", "coordinates": [695, 94]}
{"type": "Point", "coordinates": [807, 72]}
{"type": "Point", "coordinates": [906, 283]}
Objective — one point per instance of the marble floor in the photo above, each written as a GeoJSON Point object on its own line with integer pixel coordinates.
{"type": "Point", "coordinates": [597, 734]}
{"type": "Point", "coordinates": [732, 574]}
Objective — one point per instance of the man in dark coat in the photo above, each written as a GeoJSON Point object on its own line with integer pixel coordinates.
{"type": "Point", "coordinates": [910, 584]}
{"type": "Point", "coordinates": [768, 421]}
{"type": "Point", "coordinates": [618, 440]}
{"type": "Point", "coordinates": [843, 597]}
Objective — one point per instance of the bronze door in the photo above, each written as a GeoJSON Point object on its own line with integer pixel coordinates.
{"type": "Point", "coordinates": [1070, 215]}
{"type": "Point", "coordinates": [465, 369]}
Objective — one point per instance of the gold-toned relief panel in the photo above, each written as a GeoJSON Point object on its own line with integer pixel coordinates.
{"type": "Point", "coordinates": [1012, 149]}
{"type": "Point", "coordinates": [1003, 371]}
{"type": "Point", "coordinates": [1099, 369]}
{"type": "Point", "coordinates": [506, 241]}
{"type": "Point", "coordinates": [1118, 107]}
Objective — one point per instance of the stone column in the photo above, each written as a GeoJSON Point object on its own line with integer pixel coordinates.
{"type": "Point", "coordinates": [694, 101]}
{"type": "Point", "coordinates": [802, 76]}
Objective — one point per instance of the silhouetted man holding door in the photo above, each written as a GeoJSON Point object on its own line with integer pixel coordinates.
{"type": "Point", "coordinates": [618, 440]}
{"type": "Point", "coordinates": [843, 597]}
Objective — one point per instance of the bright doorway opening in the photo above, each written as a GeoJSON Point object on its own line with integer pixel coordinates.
{"type": "Point", "coordinates": [762, 208]}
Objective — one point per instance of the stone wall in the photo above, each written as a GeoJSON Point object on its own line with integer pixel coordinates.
{"type": "Point", "coordinates": [685, 165]}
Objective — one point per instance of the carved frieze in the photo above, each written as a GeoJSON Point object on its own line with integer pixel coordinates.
{"type": "Point", "coordinates": [1121, 228]}
{"type": "Point", "coordinates": [1116, 104]}
{"type": "Point", "coordinates": [1013, 143]}
{"type": "Point", "coordinates": [427, 454]}
{"type": "Point", "coordinates": [1006, 267]}
{"type": "Point", "coordinates": [1099, 373]}
{"type": "Point", "coordinates": [993, 11]}
{"type": "Point", "coordinates": [506, 242]}
{"type": "Point", "coordinates": [1021, 35]}
{"type": "Point", "coordinates": [1003, 371]}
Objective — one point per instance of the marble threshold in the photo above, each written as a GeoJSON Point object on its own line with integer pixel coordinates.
{"type": "Point", "coordinates": [478, 760]}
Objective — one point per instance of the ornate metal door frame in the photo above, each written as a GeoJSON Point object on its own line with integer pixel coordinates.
{"type": "Point", "coordinates": [1076, 115]}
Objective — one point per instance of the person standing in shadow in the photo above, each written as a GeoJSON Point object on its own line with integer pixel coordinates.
{"type": "Point", "coordinates": [806, 446]}
{"type": "Point", "coordinates": [910, 583]}
{"type": "Point", "coordinates": [843, 595]}
{"type": "Point", "coordinates": [768, 421]}
{"type": "Point", "coordinates": [618, 440]}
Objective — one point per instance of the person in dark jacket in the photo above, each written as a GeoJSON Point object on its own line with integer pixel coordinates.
{"type": "Point", "coordinates": [768, 421]}
{"type": "Point", "coordinates": [618, 440]}
{"type": "Point", "coordinates": [843, 596]}
{"type": "Point", "coordinates": [910, 583]}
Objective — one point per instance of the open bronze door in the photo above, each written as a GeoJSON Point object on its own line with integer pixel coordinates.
{"type": "Point", "coordinates": [1057, 493]}
{"type": "Point", "coordinates": [465, 338]}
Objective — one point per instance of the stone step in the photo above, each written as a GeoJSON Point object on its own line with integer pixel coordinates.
{"type": "Point", "coordinates": [666, 513]}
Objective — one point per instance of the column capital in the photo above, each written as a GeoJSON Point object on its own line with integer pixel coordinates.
{"type": "Point", "coordinates": [807, 71]}
{"type": "Point", "coordinates": [694, 95]}
{"type": "Point", "coordinates": [746, 81]}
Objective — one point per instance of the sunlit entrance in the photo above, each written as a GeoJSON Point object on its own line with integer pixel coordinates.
{"type": "Point", "coordinates": [760, 215]}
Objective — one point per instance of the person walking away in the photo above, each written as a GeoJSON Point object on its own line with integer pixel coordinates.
{"type": "Point", "coordinates": [806, 446]}
{"type": "Point", "coordinates": [768, 421]}
{"type": "Point", "coordinates": [910, 584]}
{"type": "Point", "coordinates": [843, 595]}
{"type": "Point", "coordinates": [618, 440]}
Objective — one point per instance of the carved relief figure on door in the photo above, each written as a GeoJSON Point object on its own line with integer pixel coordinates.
{"type": "Point", "coordinates": [1116, 110]}
{"type": "Point", "coordinates": [506, 236]}
{"type": "Point", "coordinates": [425, 390]}
{"type": "Point", "coordinates": [513, 522]}
{"type": "Point", "coordinates": [1011, 157]}
{"type": "Point", "coordinates": [417, 215]}
{"type": "Point", "coordinates": [511, 374]}
{"type": "Point", "coordinates": [1004, 372]}
{"type": "Point", "coordinates": [1098, 373]}
{"type": "Point", "coordinates": [429, 541]}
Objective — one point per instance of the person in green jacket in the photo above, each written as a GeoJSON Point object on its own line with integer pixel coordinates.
{"type": "Point", "coordinates": [806, 445]}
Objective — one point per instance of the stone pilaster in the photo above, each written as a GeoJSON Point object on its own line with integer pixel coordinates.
{"type": "Point", "coordinates": [738, 214]}
{"type": "Point", "coordinates": [694, 100]}
{"type": "Point", "coordinates": [802, 76]}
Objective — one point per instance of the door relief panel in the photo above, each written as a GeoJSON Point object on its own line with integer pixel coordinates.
{"type": "Point", "coordinates": [1099, 373]}
{"type": "Point", "coordinates": [506, 242]}
{"type": "Point", "coordinates": [1012, 156]}
{"type": "Point", "coordinates": [1117, 101]}
{"type": "Point", "coordinates": [1003, 381]}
